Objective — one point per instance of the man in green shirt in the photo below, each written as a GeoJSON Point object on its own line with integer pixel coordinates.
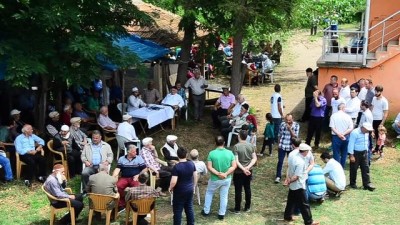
{"type": "Point", "coordinates": [221, 164]}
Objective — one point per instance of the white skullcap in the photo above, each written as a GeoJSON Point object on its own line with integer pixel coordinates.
{"type": "Point", "coordinates": [53, 114]}
{"type": "Point", "coordinates": [64, 128]}
{"type": "Point", "coordinates": [304, 147]}
{"type": "Point", "coordinates": [171, 138]}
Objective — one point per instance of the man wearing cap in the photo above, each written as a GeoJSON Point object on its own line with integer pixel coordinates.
{"type": "Point", "coordinates": [150, 156]}
{"type": "Point", "coordinates": [30, 150]}
{"type": "Point", "coordinates": [128, 169]}
{"type": "Point", "coordinates": [125, 129]}
{"type": "Point", "coordinates": [151, 95]}
{"type": "Point", "coordinates": [236, 122]}
{"type": "Point", "coordinates": [16, 116]}
{"type": "Point", "coordinates": [341, 125]}
{"type": "Point", "coordinates": [296, 180]}
{"type": "Point", "coordinates": [174, 100]}
{"type": "Point", "coordinates": [197, 84]}
{"type": "Point", "coordinates": [170, 149]}
{"type": "Point", "coordinates": [54, 125]}
{"type": "Point", "coordinates": [358, 151]}
{"type": "Point", "coordinates": [135, 101]}
{"type": "Point", "coordinates": [79, 136]}
{"type": "Point", "coordinates": [104, 121]}
{"type": "Point", "coordinates": [55, 184]}
{"type": "Point", "coordinates": [66, 144]}
{"type": "Point", "coordinates": [223, 105]}
{"type": "Point", "coordinates": [93, 154]}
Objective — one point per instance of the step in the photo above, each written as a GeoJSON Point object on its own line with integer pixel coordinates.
{"type": "Point", "coordinates": [391, 43]}
{"type": "Point", "coordinates": [371, 56]}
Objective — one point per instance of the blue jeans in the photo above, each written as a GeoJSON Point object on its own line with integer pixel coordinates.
{"type": "Point", "coordinates": [277, 123]}
{"type": "Point", "coordinates": [339, 148]}
{"type": "Point", "coordinates": [5, 163]}
{"type": "Point", "coordinates": [223, 186]}
{"type": "Point", "coordinates": [281, 158]}
{"type": "Point", "coordinates": [183, 201]}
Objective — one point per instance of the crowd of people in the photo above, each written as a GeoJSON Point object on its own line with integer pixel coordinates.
{"type": "Point", "coordinates": [355, 115]}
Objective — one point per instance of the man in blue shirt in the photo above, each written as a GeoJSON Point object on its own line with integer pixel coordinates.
{"type": "Point", "coordinates": [30, 150]}
{"type": "Point", "coordinates": [358, 150]}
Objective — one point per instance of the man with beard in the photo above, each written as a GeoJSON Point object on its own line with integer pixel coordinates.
{"type": "Point", "coordinates": [379, 108]}
{"type": "Point", "coordinates": [135, 101]}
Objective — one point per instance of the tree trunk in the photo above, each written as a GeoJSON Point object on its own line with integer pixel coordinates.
{"type": "Point", "coordinates": [43, 102]}
{"type": "Point", "coordinates": [185, 51]}
{"type": "Point", "coordinates": [237, 69]}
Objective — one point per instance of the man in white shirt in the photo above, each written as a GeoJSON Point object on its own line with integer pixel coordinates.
{"type": "Point", "coordinates": [353, 105]}
{"type": "Point", "coordinates": [379, 108]}
{"type": "Point", "coordinates": [173, 99]}
{"type": "Point", "coordinates": [125, 129]}
{"type": "Point", "coordinates": [197, 85]}
{"type": "Point", "coordinates": [396, 125]}
{"type": "Point", "coordinates": [345, 90]}
{"type": "Point", "coordinates": [277, 110]}
{"type": "Point", "coordinates": [336, 100]}
{"type": "Point", "coordinates": [104, 121]}
{"type": "Point", "coordinates": [135, 101]}
{"type": "Point", "coordinates": [341, 125]}
{"type": "Point", "coordinates": [335, 179]}
{"type": "Point", "coordinates": [234, 112]}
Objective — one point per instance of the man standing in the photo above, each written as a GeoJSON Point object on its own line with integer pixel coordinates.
{"type": "Point", "coordinates": [353, 105]}
{"type": "Point", "coordinates": [335, 179]}
{"type": "Point", "coordinates": [358, 150]}
{"type": "Point", "coordinates": [94, 154]}
{"type": "Point", "coordinates": [311, 86]}
{"type": "Point", "coordinates": [55, 185]}
{"type": "Point", "coordinates": [125, 129]}
{"type": "Point", "coordinates": [101, 182]}
{"type": "Point", "coordinates": [198, 85]}
{"type": "Point", "coordinates": [318, 106]}
{"type": "Point", "coordinates": [336, 100]}
{"type": "Point", "coordinates": [246, 157]}
{"type": "Point", "coordinates": [341, 125]}
{"type": "Point", "coordinates": [296, 180]}
{"type": "Point", "coordinates": [29, 153]}
{"type": "Point", "coordinates": [380, 109]}
{"type": "Point", "coordinates": [276, 110]}
{"type": "Point", "coordinates": [151, 95]}
{"type": "Point", "coordinates": [287, 130]}
{"type": "Point", "coordinates": [396, 125]}
{"type": "Point", "coordinates": [344, 92]}
{"type": "Point", "coordinates": [221, 164]}
{"type": "Point", "coordinates": [222, 106]}
{"type": "Point", "coordinates": [129, 166]}
{"type": "Point", "coordinates": [370, 91]}
{"type": "Point", "coordinates": [328, 94]}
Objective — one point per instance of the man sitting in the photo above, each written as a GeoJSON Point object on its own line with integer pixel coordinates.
{"type": "Point", "coordinates": [79, 112]}
{"type": "Point", "coordinates": [150, 156]}
{"type": "Point", "coordinates": [151, 95]}
{"type": "Point", "coordinates": [79, 136]}
{"type": "Point", "coordinates": [135, 101]}
{"type": "Point", "coordinates": [316, 186]}
{"type": "Point", "coordinates": [55, 185]}
{"type": "Point", "coordinates": [102, 183]}
{"type": "Point", "coordinates": [104, 121]}
{"type": "Point", "coordinates": [173, 99]}
{"type": "Point", "coordinates": [236, 122]}
{"type": "Point", "coordinates": [223, 105]}
{"type": "Point", "coordinates": [29, 153]}
{"type": "Point", "coordinates": [54, 124]}
{"type": "Point", "coordinates": [234, 112]}
{"type": "Point", "coordinates": [130, 166]}
{"type": "Point", "coordinates": [335, 179]}
{"type": "Point", "coordinates": [5, 163]}
{"type": "Point", "coordinates": [125, 129]}
{"type": "Point", "coordinates": [170, 150]}
{"type": "Point", "coordinates": [66, 144]}
{"type": "Point", "coordinates": [141, 191]}
{"type": "Point", "coordinates": [396, 125]}
{"type": "Point", "coordinates": [93, 154]}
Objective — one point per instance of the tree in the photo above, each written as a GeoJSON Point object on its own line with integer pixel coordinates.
{"type": "Point", "coordinates": [61, 41]}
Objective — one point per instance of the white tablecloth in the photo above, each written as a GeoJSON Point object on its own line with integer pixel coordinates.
{"type": "Point", "coordinates": [153, 117]}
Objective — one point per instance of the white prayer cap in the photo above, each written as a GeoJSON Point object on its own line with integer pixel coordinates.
{"type": "Point", "coordinates": [126, 117]}
{"type": "Point", "coordinates": [135, 89]}
{"type": "Point", "coordinates": [64, 128]}
{"type": "Point", "coordinates": [53, 114]}
{"type": "Point", "coordinates": [171, 138]}
{"type": "Point", "coordinates": [15, 112]}
{"type": "Point", "coordinates": [304, 147]}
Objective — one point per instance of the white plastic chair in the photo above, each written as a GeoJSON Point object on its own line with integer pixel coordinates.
{"type": "Point", "coordinates": [235, 131]}
{"type": "Point", "coordinates": [123, 106]}
{"type": "Point", "coordinates": [121, 144]}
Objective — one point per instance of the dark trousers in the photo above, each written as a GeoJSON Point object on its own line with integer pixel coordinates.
{"type": "Point", "coordinates": [183, 201]}
{"type": "Point", "coordinates": [281, 158]}
{"type": "Point", "coordinates": [358, 119]}
{"type": "Point", "coordinates": [375, 125]}
{"type": "Point", "coordinates": [32, 162]}
{"type": "Point", "coordinates": [76, 203]}
{"type": "Point", "coordinates": [165, 177]}
{"type": "Point", "coordinates": [241, 180]}
{"type": "Point", "coordinates": [74, 162]}
{"type": "Point", "coordinates": [268, 142]}
{"type": "Point", "coordinates": [277, 123]}
{"type": "Point", "coordinates": [307, 109]}
{"type": "Point", "coordinates": [297, 199]}
{"type": "Point", "coordinates": [216, 113]}
{"type": "Point", "coordinates": [198, 104]}
{"type": "Point", "coordinates": [314, 126]}
{"type": "Point", "coordinates": [361, 160]}
{"type": "Point", "coordinates": [327, 114]}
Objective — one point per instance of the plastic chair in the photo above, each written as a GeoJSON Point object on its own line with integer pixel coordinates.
{"type": "Point", "coordinates": [19, 164]}
{"type": "Point", "coordinates": [84, 166]}
{"type": "Point", "coordinates": [104, 204]}
{"type": "Point", "coordinates": [121, 144]}
{"type": "Point", "coordinates": [141, 207]}
{"type": "Point", "coordinates": [63, 159]}
{"type": "Point", "coordinates": [54, 210]}
{"type": "Point", "coordinates": [234, 131]}
{"type": "Point", "coordinates": [122, 107]}
{"type": "Point", "coordinates": [109, 135]}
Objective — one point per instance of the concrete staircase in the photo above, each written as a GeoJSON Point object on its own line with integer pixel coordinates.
{"type": "Point", "coordinates": [381, 55]}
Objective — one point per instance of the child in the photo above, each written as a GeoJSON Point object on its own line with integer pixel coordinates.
{"type": "Point", "coordinates": [252, 138]}
{"type": "Point", "coordinates": [268, 135]}
{"type": "Point", "coordinates": [380, 141]}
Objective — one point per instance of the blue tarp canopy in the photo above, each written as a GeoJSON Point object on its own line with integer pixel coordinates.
{"type": "Point", "coordinates": [146, 50]}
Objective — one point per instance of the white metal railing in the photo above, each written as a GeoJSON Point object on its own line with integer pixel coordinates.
{"type": "Point", "coordinates": [385, 31]}
{"type": "Point", "coordinates": [342, 46]}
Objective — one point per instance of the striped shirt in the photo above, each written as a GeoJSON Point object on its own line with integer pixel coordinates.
{"type": "Point", "coordinates": [285, 142]}
{"type": "Point", "coordinates": [130, 168]}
